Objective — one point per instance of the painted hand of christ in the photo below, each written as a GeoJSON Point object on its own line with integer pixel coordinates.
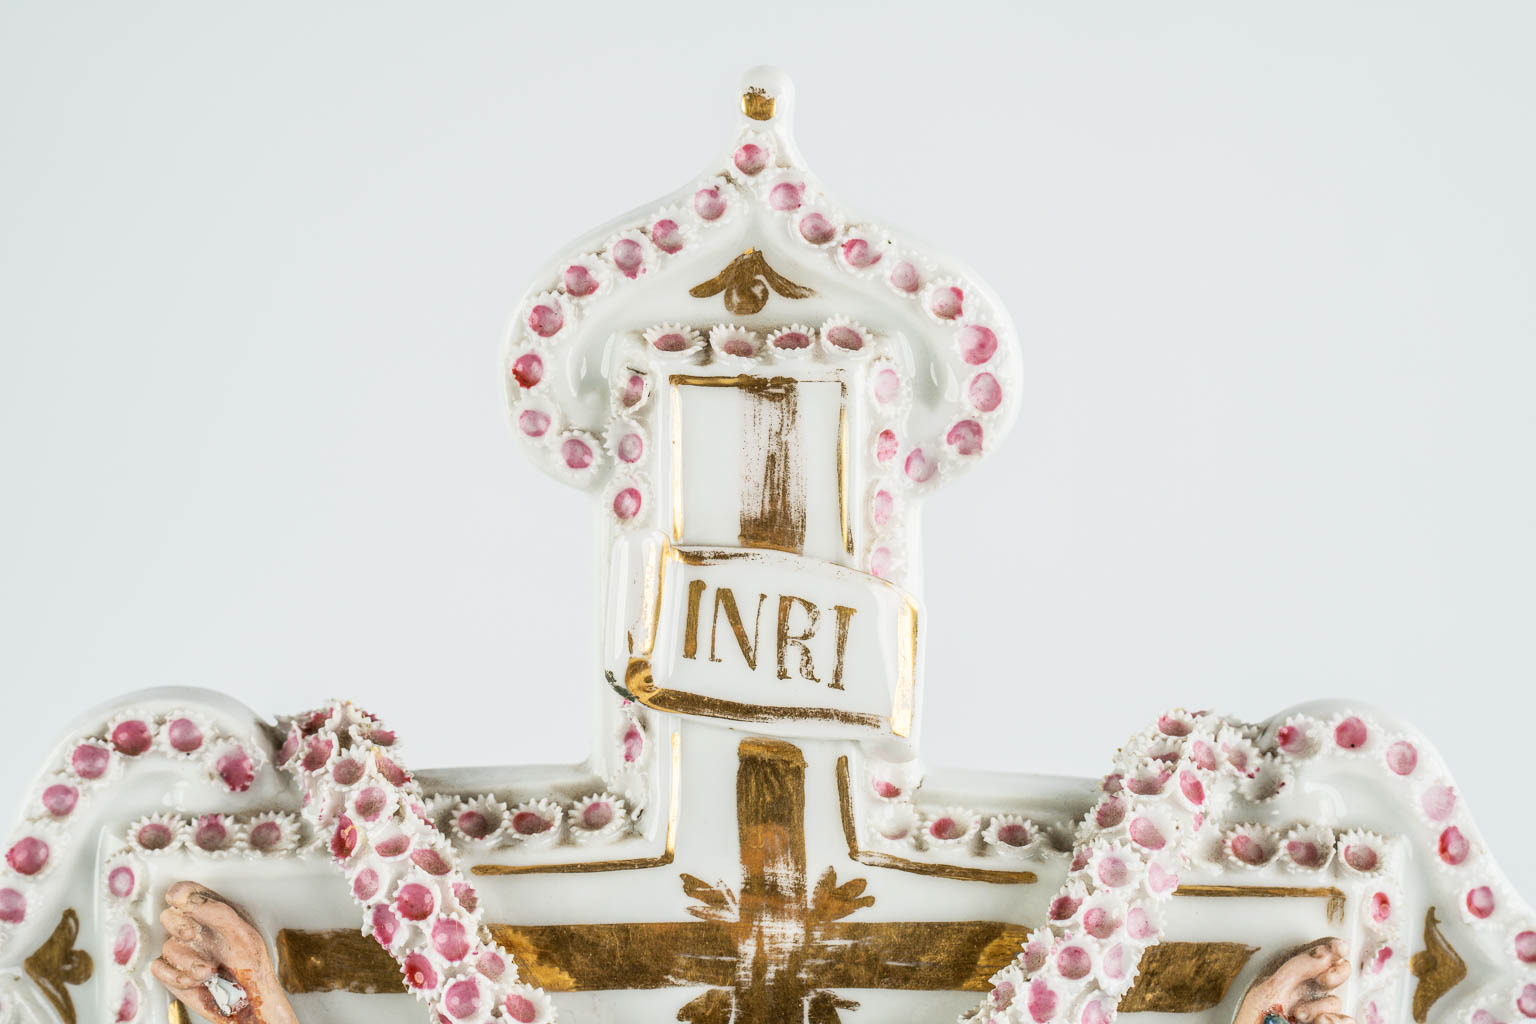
{"type": "Point", "coordinates": [215, 960]}
{"type": "Point", "coordinates": [1301, 988]}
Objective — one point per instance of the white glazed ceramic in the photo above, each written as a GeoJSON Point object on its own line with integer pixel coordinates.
{"type": "Point", "coordinates": [760, 388]}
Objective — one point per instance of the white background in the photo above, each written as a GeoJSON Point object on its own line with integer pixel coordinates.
{"type": "Point", "coordinates": [1272, 266]}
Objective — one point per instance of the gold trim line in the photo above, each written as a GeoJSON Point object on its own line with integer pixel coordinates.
{"type": "Point", "coordinates": [886, 860]}
{"type": "Point", "coordinates": [634, 864]}
{"type": "Point", "coordinates": [639, 682]}
{"type": "Point", "coordinates": [1335, 897]}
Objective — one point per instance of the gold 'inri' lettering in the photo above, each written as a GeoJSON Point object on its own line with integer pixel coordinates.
{"type": "Point", "coordinates": [786, 632]}
{"type": "Point", "coordinates": [724, 598]}
{"type": "Point", "coordinates": [787, 603]}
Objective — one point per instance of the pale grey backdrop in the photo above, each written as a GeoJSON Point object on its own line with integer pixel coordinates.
{"type": "Point", "coordinates": [1272, 266]}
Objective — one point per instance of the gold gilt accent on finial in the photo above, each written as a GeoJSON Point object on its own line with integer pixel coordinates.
{"type": "Point", "coordinates": [757, 104]}
{"type": "Point", "coordinates": [57, 963]}
{"type": "Point", "coordinates": [1438, 967]}
{"type": "Point", "coordinates": [746, 282]}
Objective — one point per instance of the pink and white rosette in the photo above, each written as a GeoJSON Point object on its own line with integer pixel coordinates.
{"type": "Point", "coordinates": [402, 870]}
{"type": "Point", "coordinates": [1168, 785]}
{"type": "Point", "coordinates": [762, 175]}
{"type": "Point", "coordinates": [89, 766]}
{"type": "Point", "coordinates": [1160, 810]}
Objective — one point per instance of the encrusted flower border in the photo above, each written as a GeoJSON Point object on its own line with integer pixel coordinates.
{"type": "Point", "coordinates": [1159, 811]}
{"type": "Point", "coordinates": [629, 496]}
{"type": "Point", "coordinates": [91, 763]}
{"type": "Point", "coordinates": [96, 760]}
{"type": "Point", "coordinates": [765, 172]}
{"type": "Point", "coordinates": [124, 882]}
{"type": "Point", "coordinates": [401, 870]}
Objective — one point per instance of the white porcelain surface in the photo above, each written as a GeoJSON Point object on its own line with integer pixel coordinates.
{"type": "Point", "coordinates": [600, 379]}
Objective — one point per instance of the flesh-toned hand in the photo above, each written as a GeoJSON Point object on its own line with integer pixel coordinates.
{"type": "Point", "coordinates": [216, 962]}
{"type": "Point", "coordinates": [1301, 988]}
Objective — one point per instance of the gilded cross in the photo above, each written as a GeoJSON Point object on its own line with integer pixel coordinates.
{"type": "Point", "coordinates": [773, 950]}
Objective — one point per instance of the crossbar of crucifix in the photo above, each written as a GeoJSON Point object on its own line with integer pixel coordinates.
{"type": "Point", "coordinates": [777, 949]}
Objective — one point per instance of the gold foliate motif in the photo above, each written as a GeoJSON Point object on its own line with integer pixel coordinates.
{"type": "Point", "coordinates": [1438, 967]}
{"type": "Point", "coordinates": [57, 963]}
{"type": "Point", "coordinates": [746, 282]}
{"type": "Point", "coordinates": [772, 947]}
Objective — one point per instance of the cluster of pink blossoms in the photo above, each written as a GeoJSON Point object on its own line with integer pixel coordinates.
{"type": "Point", "coordinates": [401, 870]}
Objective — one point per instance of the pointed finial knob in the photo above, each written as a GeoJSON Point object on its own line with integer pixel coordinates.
{"type": "Point", "coordinates": [767, 94]}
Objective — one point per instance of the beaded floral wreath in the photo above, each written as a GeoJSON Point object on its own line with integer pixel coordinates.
{"type": "Point", "coordinates": [355, 796]}
{"type": "Point", "coordinates": [1160, 812]}
{"type": "Point", "coordinates": [402, 871]}
{"type": "Point", "coordinates": [1158, 815]}
{"type": "Point", "coordinates": [91, 764]}
{"type": "Point", "coordinates": [974, 388]}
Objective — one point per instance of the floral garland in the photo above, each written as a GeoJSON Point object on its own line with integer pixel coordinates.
{"type": "Point", "coordinates": [1130, 849]}
{"type": "Point", "coordinates": [125, 883]}
{"type": "Point", "coordinates": [1159, 811]}
{"type": "Point", "coordinates": [894, 820]}
{"type": "Point", "coordinates": [91, 764]}
{"type": "Point", "coordinates": [766, 174]}
{"type": "Point", "coordinates": [401, 870]}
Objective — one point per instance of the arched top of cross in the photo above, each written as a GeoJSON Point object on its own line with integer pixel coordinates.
{"type": "Point", "coordinates": [754, 268]}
